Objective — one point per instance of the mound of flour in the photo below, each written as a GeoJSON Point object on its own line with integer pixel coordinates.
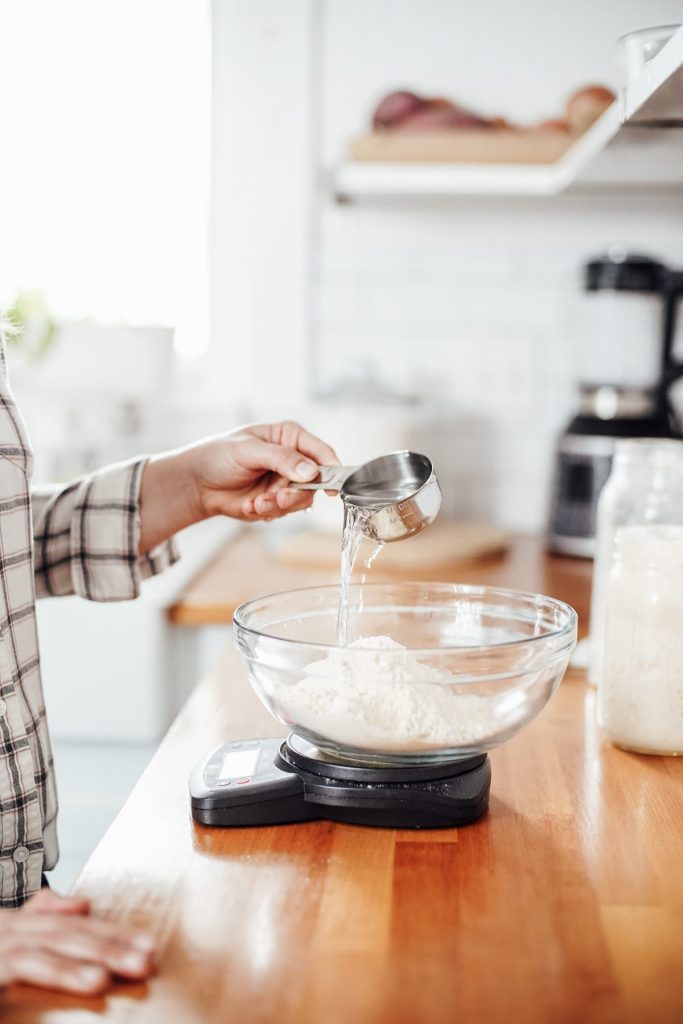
{"type": "Point", "coordinates": [377, 694]}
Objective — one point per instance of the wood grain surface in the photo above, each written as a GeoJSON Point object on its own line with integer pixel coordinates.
{"type": "Point", "coordinates": [440, 549]}
{"type": "Point", "coordinates": [249, 566]}
{"type": "Point", "coordinates": [462, 146]}
{"type": "Point", "coordinates": [563, 904]}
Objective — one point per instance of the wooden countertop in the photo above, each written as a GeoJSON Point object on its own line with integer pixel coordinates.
{"type": "Point", "coordinates": [564, 904]}
{"type": "Point", "coordinates": [246, 567]}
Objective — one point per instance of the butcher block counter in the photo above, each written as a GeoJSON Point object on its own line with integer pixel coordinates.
{"type": "Point", "coordinates": [563, 904]}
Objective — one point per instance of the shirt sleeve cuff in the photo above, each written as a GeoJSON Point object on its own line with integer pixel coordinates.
{"type": "Point", "coordinates": [105, 536]}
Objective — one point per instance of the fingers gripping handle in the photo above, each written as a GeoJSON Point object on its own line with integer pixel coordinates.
{"type": "Point", "coordinates": [330, 478]}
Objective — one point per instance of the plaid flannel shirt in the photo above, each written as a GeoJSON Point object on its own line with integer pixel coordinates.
{"type": "Point", "coordinates": [77, 539]}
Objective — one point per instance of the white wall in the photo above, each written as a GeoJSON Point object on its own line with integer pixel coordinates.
{"type": "Point", "coordinates": [520, 60]}
{"type": "Point", "coordinates": [473, 299]}
{"type": "Point", "coordinates": [470, 300]}
{"type": "Point", "coordinates": [265, 117]}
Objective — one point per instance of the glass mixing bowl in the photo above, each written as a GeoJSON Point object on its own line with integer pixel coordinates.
{"type": "Point", "coordinates": [476, 664]}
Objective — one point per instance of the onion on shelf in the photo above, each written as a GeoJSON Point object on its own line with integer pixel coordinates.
{"type": "Point", "coordinates": [406, 111]}
{"type": "Point", "coordinates": [586, 106]}
{"type": "Point", "coordinates": [410, 128]}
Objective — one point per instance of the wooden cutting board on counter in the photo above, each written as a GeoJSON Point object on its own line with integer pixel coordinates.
{"type": "Point", "coordinates": [443, 545]}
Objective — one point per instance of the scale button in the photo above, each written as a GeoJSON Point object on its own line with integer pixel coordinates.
{"type": "Point", "coordinates": [225, 782]}
{"type": "Point", "coordinates": [240, 782]}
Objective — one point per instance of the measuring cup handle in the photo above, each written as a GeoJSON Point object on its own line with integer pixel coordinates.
{"type": "Point", "coordinates": [330, 478]}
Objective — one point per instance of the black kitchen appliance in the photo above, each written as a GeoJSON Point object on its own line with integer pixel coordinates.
{"type": "Point", "coordinates": [628, 367]}
{"type": "Point", "coordinates": [274, 781]}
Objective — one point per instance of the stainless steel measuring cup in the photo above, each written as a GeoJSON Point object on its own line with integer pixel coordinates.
{"type": "Point", "coordinates": [400, 490]}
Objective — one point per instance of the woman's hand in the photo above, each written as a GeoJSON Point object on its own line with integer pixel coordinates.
{"type": "Point", "coordinates": [52, 942]}
{"type": "Point", "coordinates": [244, 474]}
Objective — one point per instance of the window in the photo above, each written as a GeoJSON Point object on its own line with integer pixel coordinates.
{"type": "Point", "coordinates": [104, 177]}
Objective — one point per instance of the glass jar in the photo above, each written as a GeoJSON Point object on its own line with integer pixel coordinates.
{"type": "Point", "coordinates": [644, 487]}
{"type": "Point", "coordinates": [640, 701]}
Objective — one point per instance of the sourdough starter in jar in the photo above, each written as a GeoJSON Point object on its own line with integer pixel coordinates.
{"type": "Point", "coordinates": [641, 687]}
{"type": "Point", "coordinates": [644, 488]}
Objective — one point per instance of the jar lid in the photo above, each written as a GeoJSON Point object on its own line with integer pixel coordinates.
{"type": "Point", "coordinates": [625, 272]}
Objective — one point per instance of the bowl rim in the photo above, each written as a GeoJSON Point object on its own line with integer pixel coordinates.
{"type": "Point", "coordinates": [569, 627]}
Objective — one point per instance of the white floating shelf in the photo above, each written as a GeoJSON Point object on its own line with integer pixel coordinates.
{"type": "Point", "coordinates": [366, 179]}
{"type": "Point", "coordinates": [637, 143]}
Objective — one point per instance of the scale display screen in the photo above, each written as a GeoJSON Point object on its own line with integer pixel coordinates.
{"type": "Point", "coordinates": [238, 764]}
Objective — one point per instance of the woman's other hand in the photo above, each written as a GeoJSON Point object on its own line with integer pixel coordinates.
{"type": "Point", "coordinates": [53, 942]}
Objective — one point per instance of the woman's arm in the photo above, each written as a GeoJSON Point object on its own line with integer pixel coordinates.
{"type": "Point", "coordinates": [86, 536]}
{"type": "Point", "coordinates": [101, 535]}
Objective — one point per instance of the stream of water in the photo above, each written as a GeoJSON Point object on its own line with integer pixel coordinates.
{"type": "Point", "coordinates": [355, 517]}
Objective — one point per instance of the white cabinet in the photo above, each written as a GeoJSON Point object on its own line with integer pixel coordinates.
{"type": "Point", "coordinates": [120, 671]}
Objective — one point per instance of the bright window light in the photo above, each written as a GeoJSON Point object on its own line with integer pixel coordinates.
{"type": "Point", "coordinates": [104, 176]}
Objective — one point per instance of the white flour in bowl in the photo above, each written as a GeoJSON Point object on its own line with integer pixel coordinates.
{"type": "Point", "coordinates": [376, 694]}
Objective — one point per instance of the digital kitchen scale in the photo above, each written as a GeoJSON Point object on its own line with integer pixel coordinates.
{"type": "Point", "coordinates": [274, 781]}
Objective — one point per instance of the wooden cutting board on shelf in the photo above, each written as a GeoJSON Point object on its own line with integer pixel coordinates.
{"type": "Point", "coordinates": [462, 146]}
{"type": "Point", "coordinates": [434, 550]}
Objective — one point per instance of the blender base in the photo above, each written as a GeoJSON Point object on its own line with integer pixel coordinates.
{"type": "Point", "coordinates": [266, 782]}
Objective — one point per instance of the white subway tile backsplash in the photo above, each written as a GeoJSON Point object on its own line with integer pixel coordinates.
{"type": "Point", "coordinates": [471, 299]}
{"type": "Point", "coordinates": [473, 303]}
